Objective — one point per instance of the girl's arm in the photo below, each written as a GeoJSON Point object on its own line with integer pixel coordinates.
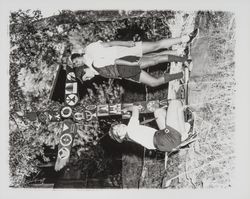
{"type": "Point", "coordinates": [135, 112]}
{"type": "Point", "coordinates": [126, 63]}
{"type": "Point", "coordinates": [134, 109]}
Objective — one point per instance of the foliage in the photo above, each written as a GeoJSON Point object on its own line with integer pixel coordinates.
{"type": "Point", "coordinates": [38, 46]}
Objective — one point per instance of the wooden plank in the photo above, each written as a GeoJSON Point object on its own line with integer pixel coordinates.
{"type": "Point", "coordinates": [172, 90]}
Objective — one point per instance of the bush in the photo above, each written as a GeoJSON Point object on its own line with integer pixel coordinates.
{"type": "Point", "coordinates": [38, 46]}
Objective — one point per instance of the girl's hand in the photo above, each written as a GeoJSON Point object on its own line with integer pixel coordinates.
{"type": "Point", "coordinates": [125, 110]}
{"type": "Point", "coordinates": [130, 43]}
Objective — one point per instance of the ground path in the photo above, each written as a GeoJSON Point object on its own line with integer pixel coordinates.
{"type": "Point", "coordinates": [182, 24]}
{"type": "Point", "coordinates": [209, 161]}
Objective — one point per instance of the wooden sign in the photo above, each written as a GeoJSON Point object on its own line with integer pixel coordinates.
{"type": "Point", "coordinates": [70, 115]}
{"type": "Point", "coordinates": [65, 143]}
{"type": "Point", "coordinates": [71, 87]}
{"type": "Point", "coordinates": [93, 112]}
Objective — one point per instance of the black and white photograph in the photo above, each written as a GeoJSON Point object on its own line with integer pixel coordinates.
{"type": "Point", "coordinates": [122, 99]}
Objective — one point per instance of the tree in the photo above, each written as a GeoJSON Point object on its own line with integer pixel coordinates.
{"type": "Point", "coordinates": [38, 46]}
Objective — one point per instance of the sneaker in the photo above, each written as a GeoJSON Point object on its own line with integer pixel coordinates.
{"type": "Point", "coordinates": [185, 77]}
{"type": "Point", "coordinates": [180, 93]}
{"type": "Point", "coordinates": [192, 35]}
{"type": "Point", "coordinates": [188, 115]}
{"type": "Point", "coordinates": [186, 133]}
{"type": "Point", "coordinates": [189, 64]}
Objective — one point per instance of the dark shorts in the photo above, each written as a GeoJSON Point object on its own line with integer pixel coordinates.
{"type": "Point", "coordinates": [122, 71]}
{"type": "Point", "coordinates": [130, 72]}
{"type": "Point", "coordinates": [167, 139]}
{"type": "Point", "coordinates": [108, 71]}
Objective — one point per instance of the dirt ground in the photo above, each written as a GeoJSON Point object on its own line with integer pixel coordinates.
{"type": "Point", "coordinates": [208, 162]}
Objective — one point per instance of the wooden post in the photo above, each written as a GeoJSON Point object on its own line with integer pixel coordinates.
{"type": "Point", "coordinates": [172, 90]}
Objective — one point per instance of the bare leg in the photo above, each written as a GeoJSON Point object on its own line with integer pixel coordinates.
{"type": "Point", "coordinates": [161, 44]}
{"type": "Point", "coordinates": [147, 61]}
{"type": "Point", "coordinates": [151, 81]}
{"type": "Point", "coordinates": [160, 115]}
{"type": "Point", "coordinates": [165, 52]}
{"type": "Point", "coordinates": [175, 118]}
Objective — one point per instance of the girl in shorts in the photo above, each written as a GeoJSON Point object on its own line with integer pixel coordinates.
{"type": "Point", "coordinates": [127, 59]}
{"type": "Point", "coordinates": [172, 128]}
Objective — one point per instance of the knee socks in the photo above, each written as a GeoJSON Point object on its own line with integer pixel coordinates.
{"type": "Point", "coordinates": [174, 58]}
{"type": "Point", "coordinates": [170, 77]}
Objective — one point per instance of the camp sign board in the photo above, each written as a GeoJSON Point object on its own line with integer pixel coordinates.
{"type": "Point", "coordinates": [70, 115]}
{"type": "Point", "coordinates": [93, 112]}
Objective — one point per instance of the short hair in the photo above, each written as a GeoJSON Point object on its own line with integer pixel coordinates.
{"type": "Point", "coordinates": [75, 55]}
{"type": "Point", "coordinates": [113, 133]}
{"type": "Point", "coordinates": [79, 71]}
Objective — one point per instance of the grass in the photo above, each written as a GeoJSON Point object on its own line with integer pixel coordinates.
{"type": "Point", "coordinates": [209, 162]}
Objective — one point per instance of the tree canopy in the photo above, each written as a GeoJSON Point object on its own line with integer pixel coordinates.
{"type": "Point", "coordinates": [37, 47]}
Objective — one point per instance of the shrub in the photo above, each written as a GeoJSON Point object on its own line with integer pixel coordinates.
{"type": "Point", "coordinates": [38, 46]}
